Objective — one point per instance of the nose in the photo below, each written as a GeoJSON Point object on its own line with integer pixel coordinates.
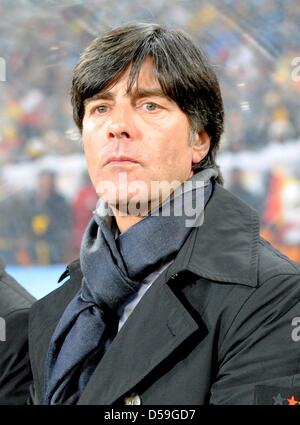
{"type": "Point", "coordinates": [121, 125]}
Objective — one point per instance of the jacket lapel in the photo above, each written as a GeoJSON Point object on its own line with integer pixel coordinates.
{"type": "Point", "coordinates": [157, 326]}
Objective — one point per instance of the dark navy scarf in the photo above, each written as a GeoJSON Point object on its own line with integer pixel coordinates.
{"type": "Point", "coordinates": [113, 270]}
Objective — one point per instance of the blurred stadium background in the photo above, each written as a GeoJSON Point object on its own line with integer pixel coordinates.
{"type": "Point", "coordinates": [45, 195]}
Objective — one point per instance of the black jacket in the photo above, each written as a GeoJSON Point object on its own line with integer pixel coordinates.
{"type": "Point", "coordinates": [15, 373]}
{"type": "Point", "coordinates": [215, 328]}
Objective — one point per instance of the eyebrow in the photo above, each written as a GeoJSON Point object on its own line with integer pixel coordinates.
{"type": "Point", "coordinates": [134, 94]}
{"type": "Point", "coordinates": [106, 95]}
{"type": "Point", "coordinates": [155, 92]}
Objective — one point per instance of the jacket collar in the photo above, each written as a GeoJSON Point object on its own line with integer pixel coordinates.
{"type": "Point", "coordinates": [225, 247]}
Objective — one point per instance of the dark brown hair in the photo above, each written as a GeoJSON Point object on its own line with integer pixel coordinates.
{"type": "Point", "coordinates": [181, 67]}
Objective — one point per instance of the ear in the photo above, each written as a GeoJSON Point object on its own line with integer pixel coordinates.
{"type": "Point", "coordinates": [200, 147]}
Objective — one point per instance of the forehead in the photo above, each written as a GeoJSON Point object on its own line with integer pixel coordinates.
{"type": "Point", "coordinates": [146, 75]}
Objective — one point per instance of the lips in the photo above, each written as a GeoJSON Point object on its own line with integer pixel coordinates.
{"type": "Point", "coordinates": [120, 160]}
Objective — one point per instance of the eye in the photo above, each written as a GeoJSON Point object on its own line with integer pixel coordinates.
{"type": "Point", "coordinates": [101, 109]}
{"type": "Point", "coordinates": [150, 106]}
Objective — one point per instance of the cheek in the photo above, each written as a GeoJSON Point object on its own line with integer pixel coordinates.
{"type": "Point", "coordinates": [175, 153]}
{"type": "Point", "coordinates": [91, 152]}
{"type": "Point", "coordinates": [91, 166]}
{"type": "Point", "coordinates": [88, 126]}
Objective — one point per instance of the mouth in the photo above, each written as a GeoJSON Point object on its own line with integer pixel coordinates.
{"type": "Point", "coordinates": [120, 160]}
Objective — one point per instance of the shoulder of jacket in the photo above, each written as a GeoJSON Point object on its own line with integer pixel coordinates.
{"type": "Point", "coordinates": [13, 296]}
{"type": "Point", "coordinates": [273, 263]}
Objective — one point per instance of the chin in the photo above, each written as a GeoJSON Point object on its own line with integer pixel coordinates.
{"type": "Point", "coordinates": [130, 204]}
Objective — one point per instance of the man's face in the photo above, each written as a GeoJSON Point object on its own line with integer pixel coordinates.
{"type": "Point", "coordinates": [133, 139]}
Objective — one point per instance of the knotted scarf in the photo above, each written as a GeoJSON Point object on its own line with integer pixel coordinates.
{"type": "Point", "coordinates": [113, 270]}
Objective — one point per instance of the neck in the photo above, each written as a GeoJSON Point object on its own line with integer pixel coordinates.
{"type": "Point", "coordinates": [125, 222]}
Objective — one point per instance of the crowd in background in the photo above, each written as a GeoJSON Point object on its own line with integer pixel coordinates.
{"type": "Point", "coordinates": [252, 45]}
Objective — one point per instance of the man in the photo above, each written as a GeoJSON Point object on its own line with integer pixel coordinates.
{"type": "Point", "coordinates": [162, 308]}
{"type": "Point", "coordinates": [15, 373]}
{"type": "Point", "coordinates": [48, 220]}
